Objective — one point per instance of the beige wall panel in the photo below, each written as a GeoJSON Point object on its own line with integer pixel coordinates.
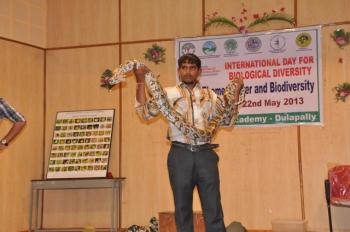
{"type": "Point", "coordinates": [323, 11]}
{"type": "Point", "coordinates": [154, 19]}
{"type": "Point", "coordinates": [73, 77]}
{"type": "Point", "coordinates": [330, 143]}
{"type": "Point", "coordinates": [22, 76]}
{"type": "Point", "coordinates": [24, 21]}
{"type": "Point", "coordinates": [259, 175]}
{"type": "Point", "coordinates": [81, 22]}
{"type": "Point", "coordinates": [231, 9]}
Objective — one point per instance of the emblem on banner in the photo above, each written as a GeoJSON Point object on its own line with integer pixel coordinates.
{"type": "Point", "coordinates": [230, 46]}
{"type": "Point", "coordinates": [277, 43]}
{"type": "Point", "coordinates": [253, 44]}
{"type": "Point", "coordinates": [188, 48]}
{"type": "Point", "coordinates": [209, 48]}
{"type": "Point", "coordinates": [303, 40]}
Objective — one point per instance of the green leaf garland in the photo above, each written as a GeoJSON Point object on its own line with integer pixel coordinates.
{"type": "Point", "coordinates": [217, 20]}
{"type": "Point", "coordinates": [341, 37]}
{"type": "Point", "coordinates": [276, 16]}
{"type": "Point", "coordinates": [342, 91]}
{"type": "Point", "coordinates": [105, 77]}
{"type": "Point", "coordinates": [155, 54]}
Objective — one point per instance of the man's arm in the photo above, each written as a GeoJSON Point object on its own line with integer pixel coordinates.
{"type": "Point", "coordinates": [141, 84]}
{"type": "Point", "coordinates": [18, 122]}
{"type": "Point", "coordinates": [13, 132]}
{"type": "Point", "coordinates": [145, 108]}
{"type": "Point", "coordinates": [230, 117]}
{"type": "Point", "coordinates": [239, 85]}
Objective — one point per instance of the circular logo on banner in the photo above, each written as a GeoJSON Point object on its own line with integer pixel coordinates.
{"type": "Point", "coordinates": [188, 48]}
{"type": "Point", "coordinates": [278, 42]}
{"type": "Point", "coordinates": [253, 44]}
{"type": "Point", "coordinates": [209, 48]}
{"type": "Point", "coordinates": [230, 46]}
{"type": "Point", "coordinates": [303, 40]}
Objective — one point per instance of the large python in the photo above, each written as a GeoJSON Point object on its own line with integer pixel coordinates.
{"type": "Point", "coordinates": [170, 114]}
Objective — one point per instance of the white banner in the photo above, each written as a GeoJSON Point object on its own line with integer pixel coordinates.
{"type": "Point", "coordinates": [281, 70]}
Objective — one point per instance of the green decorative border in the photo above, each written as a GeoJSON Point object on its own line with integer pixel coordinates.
{"type": "Point", "coordinates": [278, 118]}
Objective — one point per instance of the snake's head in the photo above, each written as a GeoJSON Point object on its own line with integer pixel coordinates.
{"type": "Point", "coordinates": [110, 78]}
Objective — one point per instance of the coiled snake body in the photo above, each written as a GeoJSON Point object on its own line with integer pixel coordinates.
{"type": "Point", "coordinates": [170, 114]}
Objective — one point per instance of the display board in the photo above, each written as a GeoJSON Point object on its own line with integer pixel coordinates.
{"type": "Point", "coordinates": [81, 144]}
{"type": "Point", "coordinates": [282, 72]}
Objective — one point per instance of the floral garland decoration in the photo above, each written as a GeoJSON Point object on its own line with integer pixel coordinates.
{"type": "Point", "coordinates": [105, 79]}
{"type": "Point", "coordinates": [154, 226]}
{"type": "Point", "coordinates": [155, 54]}
{"type": "Point", "coordinates": [216, 20]}
{"type": "Point", "coordinates": [341, 37]}
{"type": "Point", "coordinates": [342, 91]}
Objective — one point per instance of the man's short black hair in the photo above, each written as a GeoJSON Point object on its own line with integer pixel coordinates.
{"type": "Point", "coordinates": [191, 59]}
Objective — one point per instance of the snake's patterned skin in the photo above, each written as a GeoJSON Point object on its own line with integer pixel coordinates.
{"type": "Point", "coordinates": [174, 117]}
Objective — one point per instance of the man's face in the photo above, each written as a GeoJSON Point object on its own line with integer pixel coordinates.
{"type": "Point", "coordinates": [189, 73]}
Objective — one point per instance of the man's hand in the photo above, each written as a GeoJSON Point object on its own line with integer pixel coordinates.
{"type": "Point", "coordinates": [140, 74]}
{"type": "Point", "coordinates": [14, 131]}
{"type": "Point", "coordinates": [140, 86]}
{"type": "Point", "coordinates": [239, 82]}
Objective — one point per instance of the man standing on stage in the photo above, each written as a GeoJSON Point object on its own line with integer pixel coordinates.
{"type": "Point", "coordinates": [18, 122]}
{"type": "Point", "coordinates": [191, 163]}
